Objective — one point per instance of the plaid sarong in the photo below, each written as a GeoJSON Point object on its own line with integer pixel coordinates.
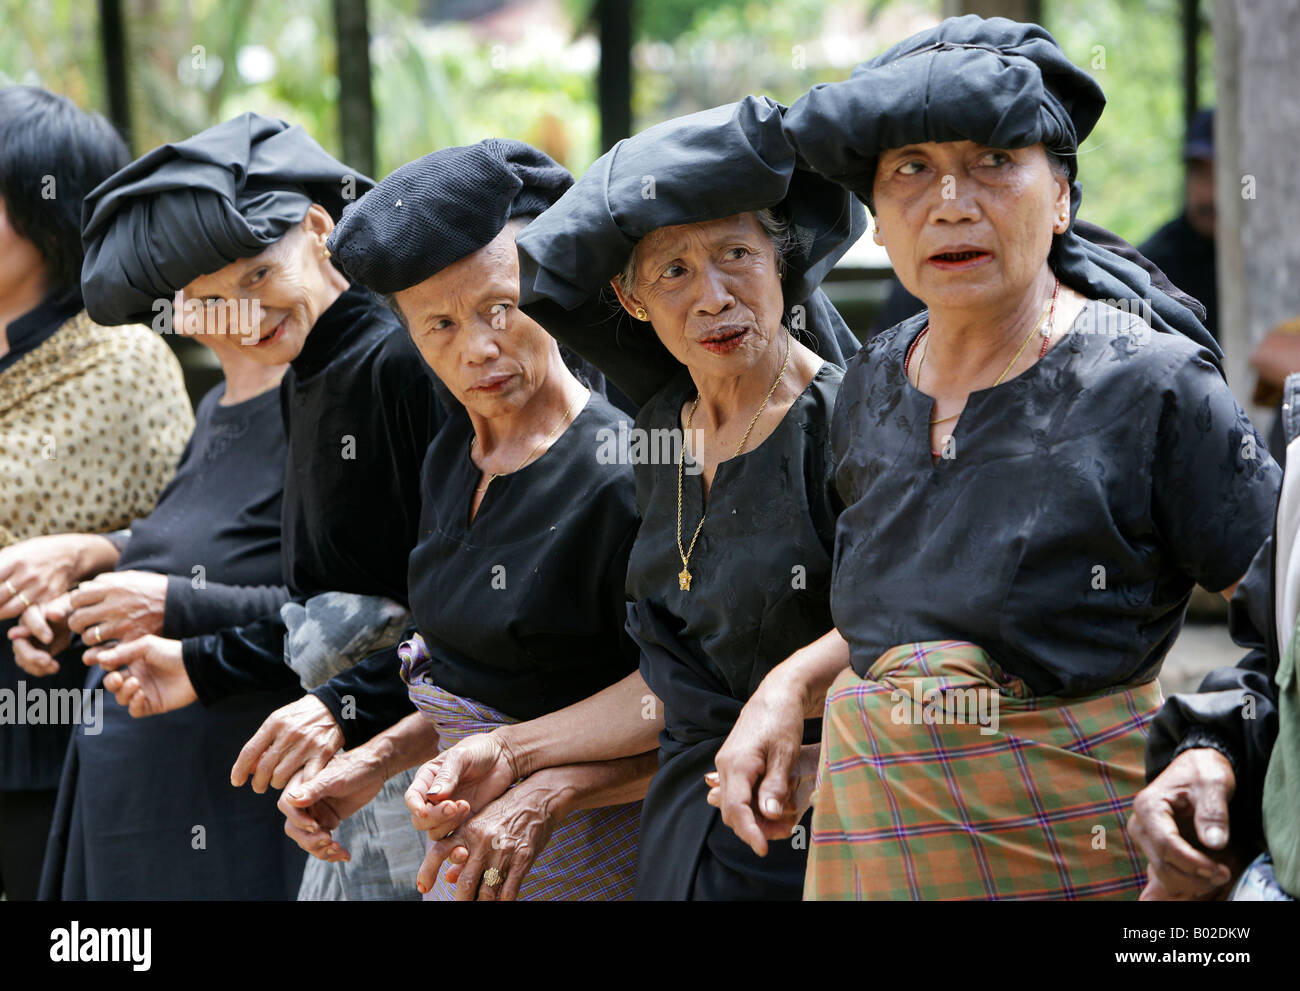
{"type": "Point", "coordinates": [941, 777]}
{"type": "Point", "coordinates": [591, 856]}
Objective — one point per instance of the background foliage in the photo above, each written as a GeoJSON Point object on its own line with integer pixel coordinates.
{"type": "Point", "coordinates": [439, 82]}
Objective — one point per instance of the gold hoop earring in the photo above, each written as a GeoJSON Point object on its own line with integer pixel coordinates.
{"type": "Point", "coordinates": [641, 314]}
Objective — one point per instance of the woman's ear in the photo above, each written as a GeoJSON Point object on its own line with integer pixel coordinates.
{"type": "Point", "coordinates": [318, 223]}
{"type": "Point", "coordinates": [1062, 222]}
{"type": "Point", "coordinates": [628, 302]}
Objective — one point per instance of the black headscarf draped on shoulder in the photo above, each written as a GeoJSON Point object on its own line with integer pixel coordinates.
{"type": "Point", "coordinates": [996, 82]}
{"type": "Point", "coordinates": [705, 166]}
{"type": "Point", "coordinates": [190, 208]}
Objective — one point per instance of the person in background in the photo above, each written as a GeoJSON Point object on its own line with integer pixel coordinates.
{"type": "Point", "coordinates": [1184, 248]}
{"type": "Point", "coordinates": [92, 423]}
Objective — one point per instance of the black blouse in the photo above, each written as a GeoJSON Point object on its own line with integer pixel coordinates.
{"type": "Point", "coordinates": [760, 590]}
{"type": "Point", "coordinates": [219, 515]}
{"type": "Point", "coordinates": [761, 567]}
{"type": "Point", "coordinates": [523, 608]}
{"type": "Point", "coordinates": [1078, 504]}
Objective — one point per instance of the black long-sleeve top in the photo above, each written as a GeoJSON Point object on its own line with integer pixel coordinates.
{"type": "Point", "coordinates": [228, 457]}
{"type": "Point", "coordinates": [359, 411]}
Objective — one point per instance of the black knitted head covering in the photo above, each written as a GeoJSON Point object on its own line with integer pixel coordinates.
{"type": "Point", "coordinates": [996, 82]}
{"type": "Point", "coordinates": [442, 208]}
{"type": "Point", "coordinates": [190, 208]}
{"type": "Point", "coordinates": [704, 166]}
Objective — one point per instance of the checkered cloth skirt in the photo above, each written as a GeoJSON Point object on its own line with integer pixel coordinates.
{"type": "Point", "coordinates": [941, 777]}
{"type": "Point", "coordinates": [591, 856]}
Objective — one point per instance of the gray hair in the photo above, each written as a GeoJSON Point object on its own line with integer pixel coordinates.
{"type": "Point", "coordinates": [774, 226]}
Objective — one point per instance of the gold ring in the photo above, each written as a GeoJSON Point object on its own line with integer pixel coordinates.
{"type": "Point", "coordinates": [95, 629]}
{"type": "Point", "coordinates": [492, 877]}
{"type": "Point", "coordinates": [10, 585]}
{"type": "Point", "coordinates": [26, 601]}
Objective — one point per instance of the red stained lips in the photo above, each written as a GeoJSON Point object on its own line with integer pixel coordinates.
{"type": "Point", "coordinates": [724, 340]}
{"type": "Point", "coordinates": [959, 258]}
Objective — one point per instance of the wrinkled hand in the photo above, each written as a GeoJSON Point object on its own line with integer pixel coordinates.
{"type": "Point", "coordinates": [36, 655]}
{"type": "Point", "coordinates": [762, 783]}
{"type": "Point", "coordinates": [1186, 804]}
{"type": "Point", "coordinates": [118, 605]}
{"type": "Point", "coordinates": [301, 736]}
{"type": "Point", "coordinates": [146, 675]}
{"type": "Point", "coordinates": [462, 779]}
{"type": "Point", "coordinates": [509, 834]}
{"type": "Point", "coordinates": [37, 570]}
{"type": "Point", "coordinates": [314, 806]}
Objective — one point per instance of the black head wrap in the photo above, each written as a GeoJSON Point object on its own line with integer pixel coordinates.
{"type": "Point", "coordinates": [442, 208]}
{"type": "Point", "coordinates": [190, 208]}
{"type": "Point", "coordinates": [705, 166]}
{"type": "Point", "coordinates": [999, 83]}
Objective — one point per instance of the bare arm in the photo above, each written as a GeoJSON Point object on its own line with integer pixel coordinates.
{"type": "Point", "coordinates": [621, 721]}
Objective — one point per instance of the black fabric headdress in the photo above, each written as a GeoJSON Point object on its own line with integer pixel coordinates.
{"type": "Point", "coordinates": [190, 208]}
{"type": "Point", "coordinates": [441, 208]}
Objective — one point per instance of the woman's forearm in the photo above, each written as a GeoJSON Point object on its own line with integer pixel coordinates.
{"type": "Point", "coordinates": [404, 745]}
{"type": "Point", "coordinates": [810, 670]}
{"type": "Point", "coordinates": [95, 555]}
{"type": "Point", "coordinates": [592, 786]}
{"type": "Point", "coordinates": [623, 720]}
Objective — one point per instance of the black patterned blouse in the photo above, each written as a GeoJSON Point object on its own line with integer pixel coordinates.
{"type": "Point", "coordinates": [1073, 510]}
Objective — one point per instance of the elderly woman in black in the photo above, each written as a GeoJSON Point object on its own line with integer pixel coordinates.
{"type": "Point", "coordinates": [1034, 475]}
{"type": "Point", "coordinates": [238, 217]}
{"type": "Point", "coordinates": [92, 422]}
{"type": "Point", "coordinates": [517, 581]}
{"type": "Point", "coordinates": [712, 237]}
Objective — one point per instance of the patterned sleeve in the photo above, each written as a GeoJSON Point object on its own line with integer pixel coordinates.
{"type": "Point", "coordinates": [1214, 484]}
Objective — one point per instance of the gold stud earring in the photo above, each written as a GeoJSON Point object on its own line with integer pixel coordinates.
{"type": "Point", "coordinates": [641, 314]}
{"type": "Point", "coordinates": [324, 252]}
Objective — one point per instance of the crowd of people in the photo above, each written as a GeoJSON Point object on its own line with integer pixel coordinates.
{"type": "Point", "coordinates": [836, 621]}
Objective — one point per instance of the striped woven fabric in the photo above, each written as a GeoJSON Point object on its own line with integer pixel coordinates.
{"type": "Point", "coordinates": [941, 777]}
{"type": "Point", "coordinates": [590, 857]}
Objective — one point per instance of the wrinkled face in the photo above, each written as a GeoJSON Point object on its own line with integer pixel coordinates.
{"type": "Point", "coordinates": [1200, 196]}
{"type": "Point", "coordinates": [21, 263]}
{"type": "Point", "coordinates": [268, 302]}
{"type": "Point", "coordinates": [466, 322]}
{"type": "Point", "coordinates": [712, 291]}
{"type": "Point", "coordinates": [966, 225]}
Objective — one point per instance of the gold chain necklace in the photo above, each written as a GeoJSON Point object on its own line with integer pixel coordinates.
{"type": "Point", "coordinates": [545, 440]}
{"type": "Point", "coordinates": [684, 577]}
{"type": "Point", "coordinates": [1047, 316]}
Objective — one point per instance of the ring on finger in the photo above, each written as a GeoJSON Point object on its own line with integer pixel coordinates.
{"type": "Point", "coordinates": [26, 601]}
{"type": "Point", "coordinates": [493, 877]}
{"type": "Point", "coordinates": [98, 639]}
{"type": "Point", "coordinates": [10, 587]}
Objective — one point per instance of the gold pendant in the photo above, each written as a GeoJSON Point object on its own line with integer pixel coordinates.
{"type": "Point", "coordinates": [684, 580]}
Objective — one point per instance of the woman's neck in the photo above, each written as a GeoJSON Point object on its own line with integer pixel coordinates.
{"type": "Point", "coordinates": [17, 303]}
{"type": "Point", "coordinates": [725, 398]}
{"type": "Point", "coordinates": [966, 344]}
{"type": "Point", "coordinates": [246, 378]}
{"type": "Point", "coordinates": [513, 434]}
